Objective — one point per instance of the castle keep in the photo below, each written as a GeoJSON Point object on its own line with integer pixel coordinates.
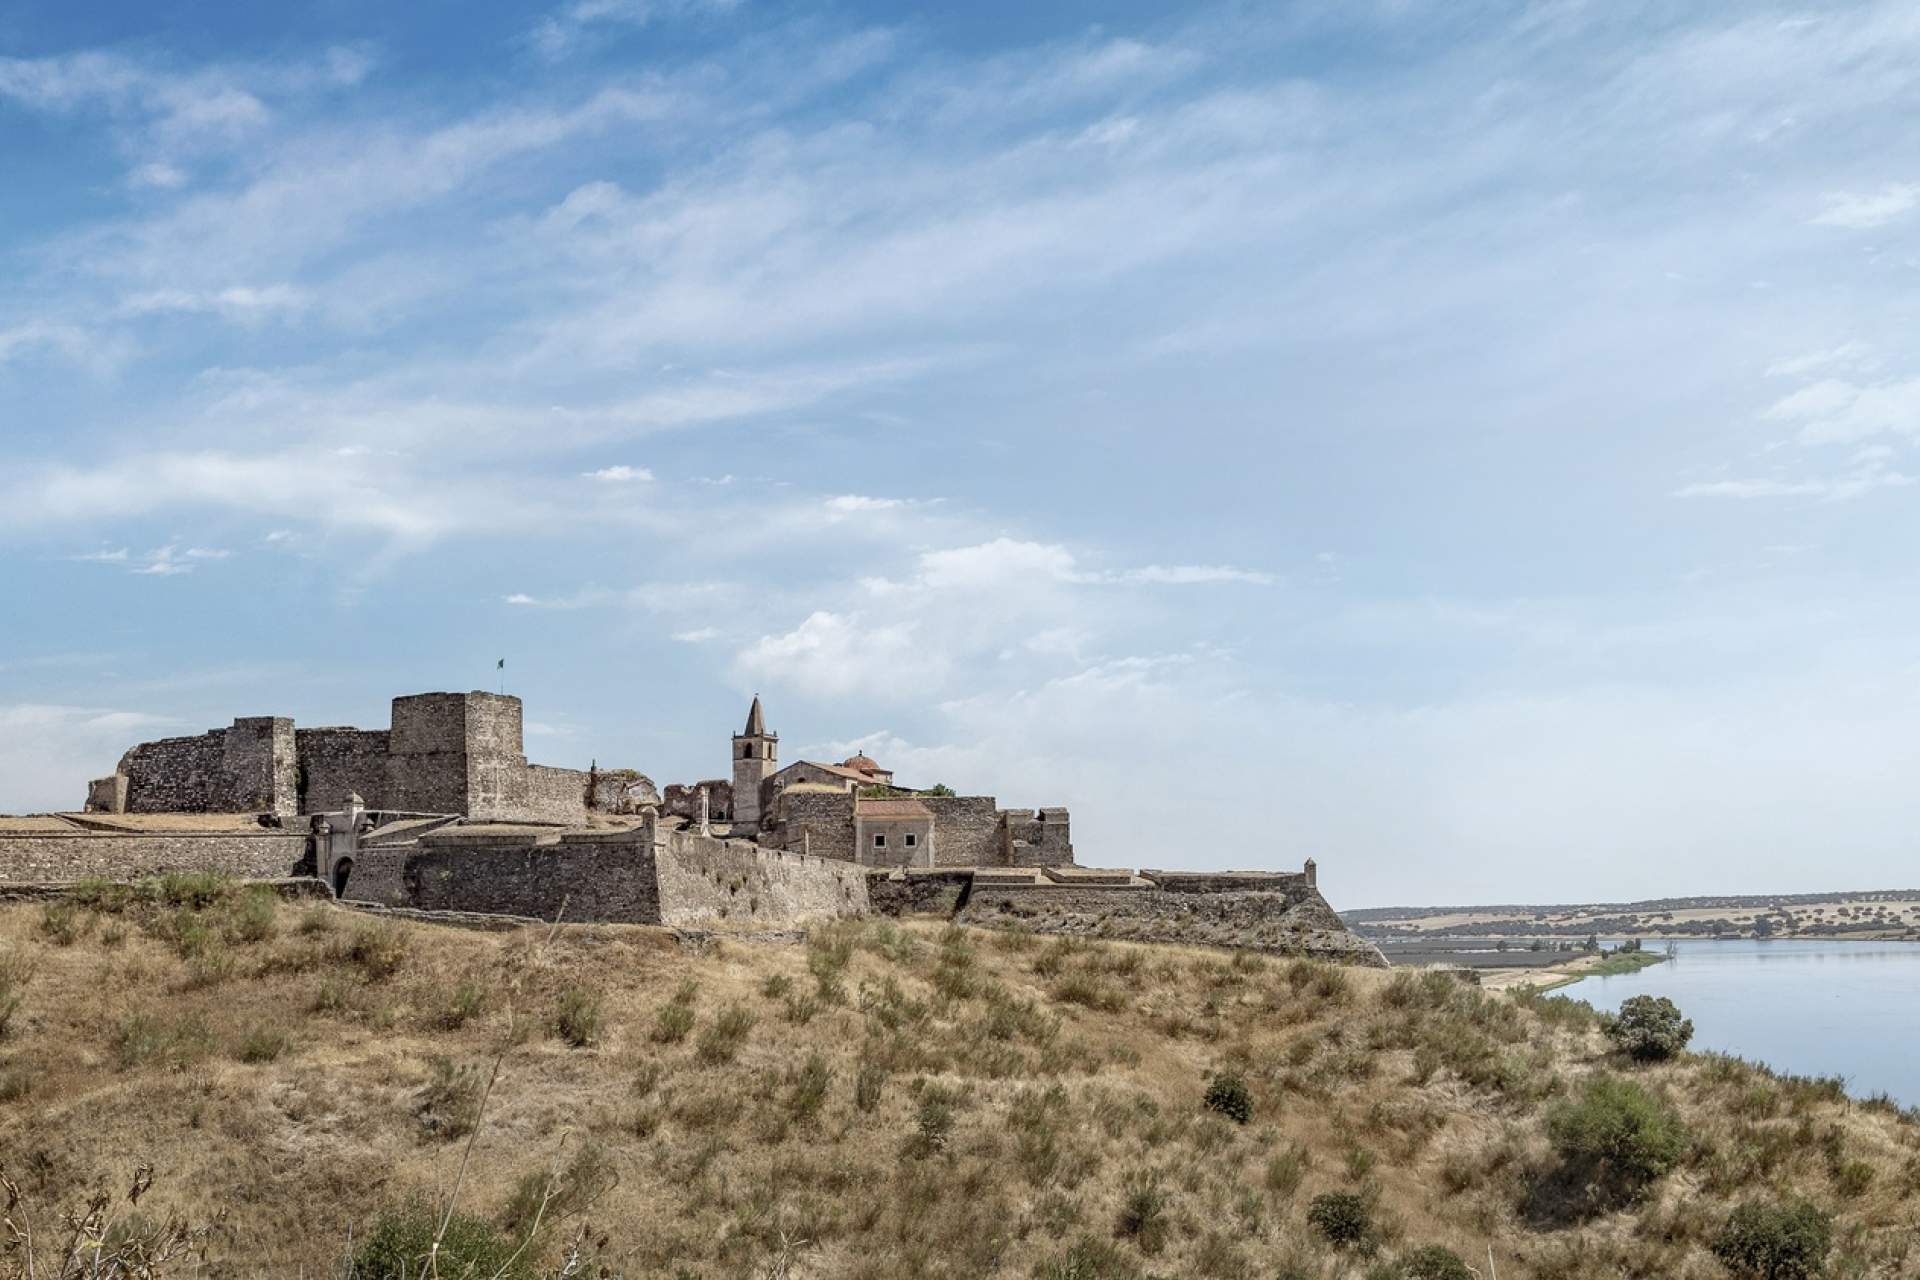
{"type": "Point", "coordinates": [441, 812]}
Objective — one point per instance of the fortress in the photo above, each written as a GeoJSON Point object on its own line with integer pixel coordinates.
{"type": "Point", "coordinates": [441, 812]}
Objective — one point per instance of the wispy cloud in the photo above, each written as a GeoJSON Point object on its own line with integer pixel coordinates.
{"type": "Point", "coordinates": [1863, 210]}
{"type": "Point", "coordinates": [620, 473]}
{"type": "Point", "coordinates": [566, 30]}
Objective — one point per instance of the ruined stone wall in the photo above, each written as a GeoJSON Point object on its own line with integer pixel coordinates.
{"type": "Point", "coordinates": [596, 878]}
{"type": "Point", "coordinates": [337, 761]}
{"type": "Point", "coordinates": [820, 823]}
{"type": "Point", "coordinates": [1295, 921]}
{"type": "Point", "coordinates": [966, 830]}
{"type": "Point", "coordinates": [937, 893]}
{"type": "Point", "coordinates": [246, 768]}
{"type": "Point", "coordinates": [1035, 838]}
{"type": "Point", "coordinates": [90, 855]}
{"type": "Point", "coordinates": [703, 880]}
{"type": "Point", "coordinates": [683, 799]}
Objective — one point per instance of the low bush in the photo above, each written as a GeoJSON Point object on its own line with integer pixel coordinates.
{"type": "Point", "coordinates": [720, 1042]}
{"type": "Point", "coordinates": [262, 1044]}
{"type": "Point", "coordinates": [16, 971]}
{"type": "Point", "coordinates": [402, 1237]}
{"type": "Point", "coordinates": [1143, 1211]}
{"type": "Point", "coordinates": [378, 948]}
{"type": "Point", "coordinates": [1343, 1218]}
{"type": "Point", "coordinates": [577, 1018]}
{"type": "Point", "coordinates": [1615, 1139]}
{"type": "Point", "coordinates": [143, 1039]}
{"type": "Point", "coordinates": [1649, 1028]}
{"type": "Point", "coordinates": [807, 1087]}
{"type": "Point", "coordinates": [1088, 1259]}
{"type": "Point", "coordinates": [1435, 1262]}
{"type": "Point", "coordinates": [465, 1004]}
{"type": "Point", "coordinates": [1770, 1241]}
{"type": "Point", "coordinates": [449, 1103]}
{"type": "Point", "coordinates": [1227, 1094]}
{"type": "Point", "coordinates": [672, 1022]}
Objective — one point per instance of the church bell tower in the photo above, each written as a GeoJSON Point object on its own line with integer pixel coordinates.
{"type": "Point", "coordinates": [756, 756]}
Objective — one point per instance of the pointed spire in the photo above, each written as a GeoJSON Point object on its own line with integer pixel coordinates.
{"type": "Point", "coordinates": [756, 723]}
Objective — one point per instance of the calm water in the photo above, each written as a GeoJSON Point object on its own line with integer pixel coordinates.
{"type": "Point", "coordinates": [1821, 1008]}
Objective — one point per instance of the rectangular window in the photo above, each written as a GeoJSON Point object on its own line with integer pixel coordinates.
{"type": "Point", "coordinates": [911, 840]}
{"type": "Point", "coordinates": [879, 841]}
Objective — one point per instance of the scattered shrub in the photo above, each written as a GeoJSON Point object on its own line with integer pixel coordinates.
{"type": "Point", "coordinates": [1087, 1259]}
{"type": "Point", "coordinates": [1435, 1262]}
{"type": "Point", "coordinates": [546, 1196]}
{"type": "Point", "coordinates": [1614, 1141]}
{"type": "Point", "coordinates": [1343, 1218]}
{"type": "Point", "coordinates": [379, 948]}
{"type": "Point", "coordinates": [16, 971]}
{"type": "Point", "coordinates": [1286, 1169]}
{"type": "Point", "coordinates": [932, 1124]}
{"type": "Point", "coordinates": [1227, 1094]}
{"type": "Point", "coordinates": [577, 1019]}
{"type": "Point", "coordinates": [463, 1006]}
{"type": "Point", "coordinates": [143, 1039]}
{"type": "Point", "coordinates": [449, 1103]}
{"type": "Point", "coordinates": [63, 924]}
{"type": "Point", "coordinates": [1650, 1028]}
{"type": "Point", "coordinates": [720, 1042]}
{"type": "Point", "coordinates": [1775, 1241]}
{"type": "Point", "coordinates": [807, 1087]}
{"type": "Point", "coordinates": [250, 916]}
{"type": "Point", "coordinates": [1852, 1178]}
{"type": "Point", "coordinates": [262, 1044]}
{"type": "Point", "coordinates": [869, 1085]}
{"type": "Point", "coordinates": [1143, 1211]}
{"type": "Point", "coordinates": [401, 1237]}
{"type": "Point", "coordinates": [672, 1022]}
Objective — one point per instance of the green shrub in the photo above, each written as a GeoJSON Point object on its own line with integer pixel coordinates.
{"type": "Point", "coordinates": [1435, 1262]}
{"type": "Point", "coordinates": [932, 1124]}
{"type": "Point", "coordinates": [1087, 1259]}
{"type": "Point", "coordinates": [1852, 1178]}
{"type": "Point", "coordinates": [721, 1041]}
{"type": "Point", "coordinates": [1286, 1169]}
{"type": "Point", "coordinates": [466, 1003]}
{"type": "Point", "coordinates": [577, 1020]}
{"type": "Point", "coordinates": [1616, 1136]}
{"type": "Point", "coordinates": [563, 1192]}
{"type": "Point", "coordinates": [250, 916]}
{"type": "Point", "coordinates": [449, 1103]}
{"type": "Point", "coordinates": [869, 1085]}
{"type": "Point", "coordinates": [1650, 1028]}
{"type": "Point", "coordinates": [143, 1039]}
{"type": "Point", "coordinates": [397, 1245]}
{"type": "Point", "coordinates": [807, 1087]}
{"type": "Point", "coordinates": [379, 948]}
{"type": "Point", "coordinates": [1143, 1211]}
{"type": "Point", "coordinates": [16, 971]}
{"type": "Point", "coordinates": [1775, 1241]}
{"type": "Point", "coordinates": [1227, 1094]}
{"type": "Point", "coordinates": [63, 924]}
{"type": "Point", "coordinates": [1343, 1218]}
{"type": "Point", "coordinates": [262, 1044]}
{"type": "Point", "coordinates": [193, 890]}
{"type": "Point", "coordinates": [672, 1022]}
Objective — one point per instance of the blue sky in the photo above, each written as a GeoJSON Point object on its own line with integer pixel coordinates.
{"type": "Point", "coordinates": [1467, 443]}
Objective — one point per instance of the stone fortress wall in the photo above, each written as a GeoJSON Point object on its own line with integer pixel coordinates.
{"type": "Point", "coordinates": [441, 812]}
{"type": "Point", "coordinates": [444, 753]}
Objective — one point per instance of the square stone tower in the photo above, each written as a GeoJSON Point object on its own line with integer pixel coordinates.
{"type": "Point", "coordinates": [756, 757]}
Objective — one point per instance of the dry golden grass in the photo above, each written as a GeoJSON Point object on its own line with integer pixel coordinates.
{"type": "Point", "coordinates": [886, 1101]}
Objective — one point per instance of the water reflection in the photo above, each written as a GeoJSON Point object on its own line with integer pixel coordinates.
{"type": "Point", "coordinates": [1813, 1007]}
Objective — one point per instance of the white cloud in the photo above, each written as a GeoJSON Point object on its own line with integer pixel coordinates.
{"type": "Point", "coordinates": [564, 31]}
{"type": "Point", "coordinates": [1191, 574]}
{"type": "Point", "coordinates": [48, 751]}
{"type": "Point", "coordinates": [1858, 211]}
{"type": "Point", "coordinates": [236, 302]}
{"type": "Point", "coordinates": [853, 503]}
{"type": "Point", "coordinates": [1836, 411]}
{"type": "Point", "coordinates": [519, 597]}
{"type": "Point", "coordinates": [158, 174]}
{"type": "Point", "coordinates": [619, 474]}
{"type": "Point", "coordinates": [697, 635]}
{"type": "Point", "coordinates": [1839, 488]}
{"type": "Point", "coordinates": [833, 655]}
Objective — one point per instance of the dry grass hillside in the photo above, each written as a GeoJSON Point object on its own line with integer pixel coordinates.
{"type": "Point", "coordinates": [307, 1085]}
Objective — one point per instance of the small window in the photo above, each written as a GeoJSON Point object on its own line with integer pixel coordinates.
{"type": "Point", "coordinates": [879, 841]}
{"type": "Point", "coordinates": [911, 840]}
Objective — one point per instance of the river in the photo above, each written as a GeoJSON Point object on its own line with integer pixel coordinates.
{"type": "Point", "coordinates": [1812, 1007]}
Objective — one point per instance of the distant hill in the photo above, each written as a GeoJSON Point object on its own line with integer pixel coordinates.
{"type": "Point", "coordinates": [1874, 913]}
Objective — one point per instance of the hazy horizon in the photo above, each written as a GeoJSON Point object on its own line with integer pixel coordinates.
{"type": "Point", "coordinates": [1467, 445]}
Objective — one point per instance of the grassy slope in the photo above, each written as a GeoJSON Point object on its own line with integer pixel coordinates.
{"type": "Point", "coordinates": [1072, 1072]}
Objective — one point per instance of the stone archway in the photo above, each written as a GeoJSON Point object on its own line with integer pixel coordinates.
{"type": "Point", "coordinates": [342, 872]}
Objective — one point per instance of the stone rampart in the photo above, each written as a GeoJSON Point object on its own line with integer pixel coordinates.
{"type": "Point", "coordinates": [594, 878]}
{"type": "Point", "coordinates": [336, 762]}
{"type": "Point", "coordinates": [248, 767]}
{"type": "Point", "coordinates": [914, 893]}
{"type": "Point", "coordinates": [1036, 838]}
{"type": "Point", "coordinates": [553, 795]}
{"type": "Point", "coordinates": [96, 855]}
{"type": "Point", "coordinates": [703, 879]}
